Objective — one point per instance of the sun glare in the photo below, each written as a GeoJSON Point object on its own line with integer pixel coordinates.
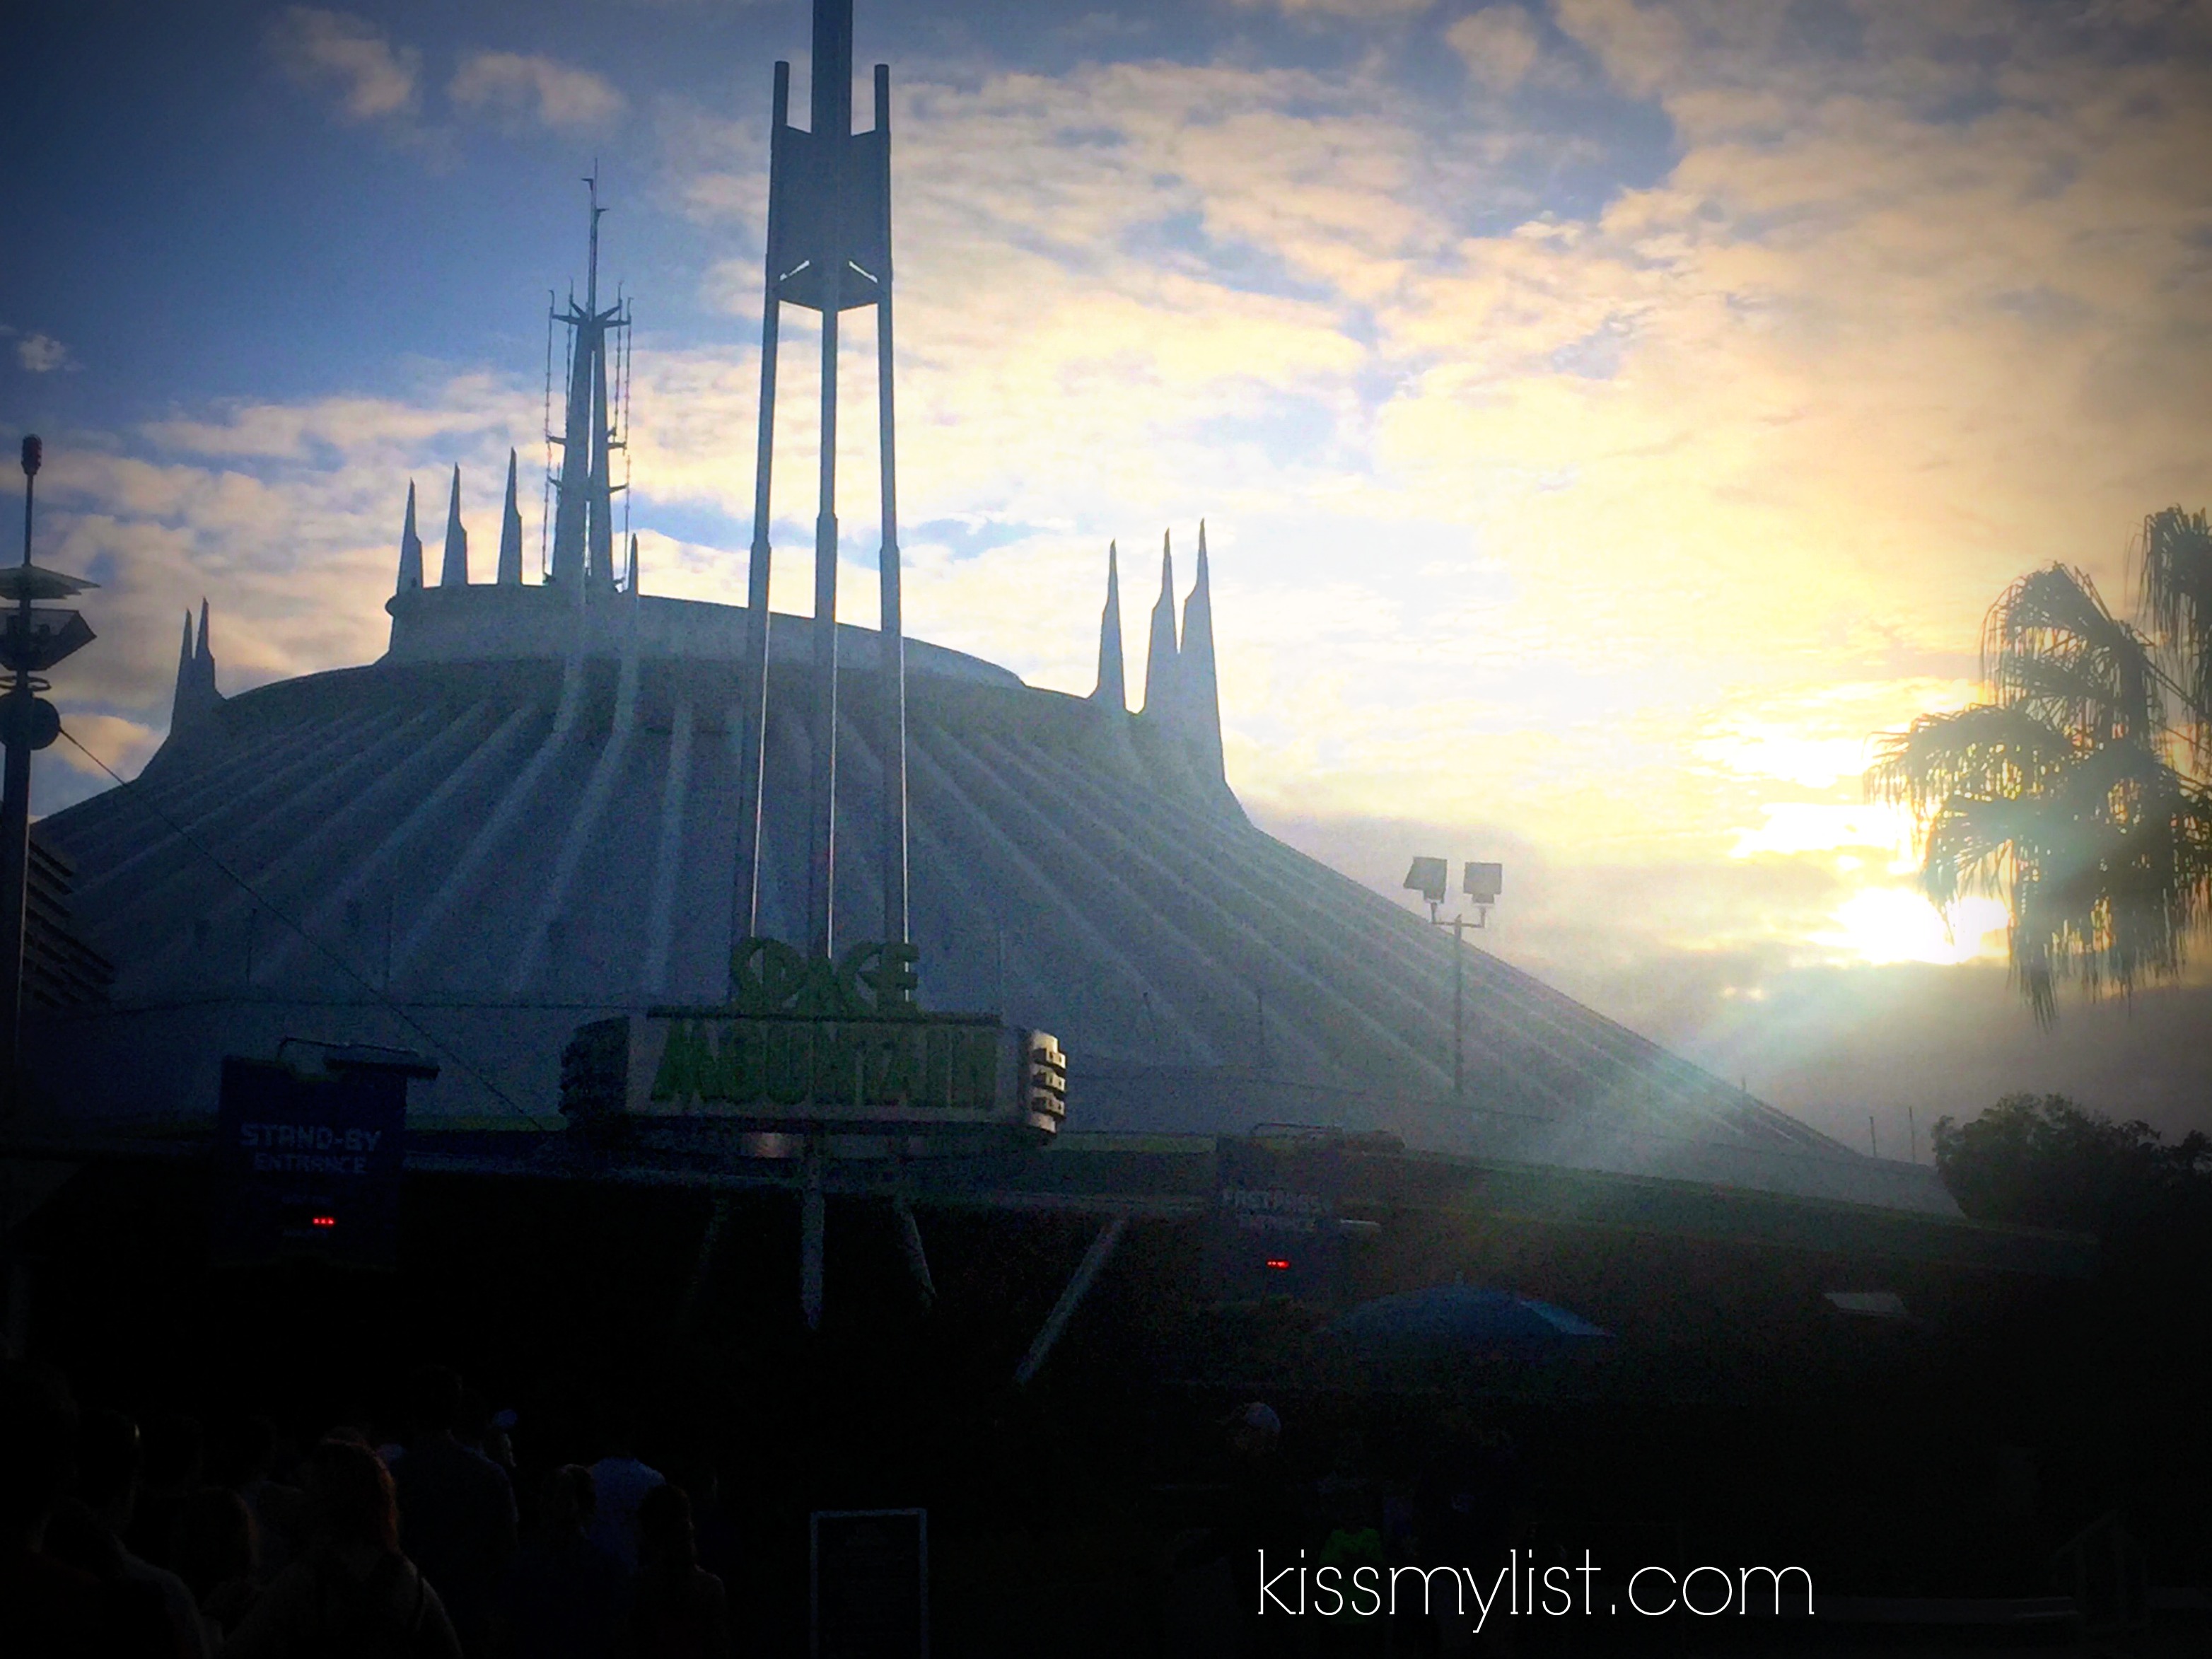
{"type": "Point", "coordinates": [1883, 924]}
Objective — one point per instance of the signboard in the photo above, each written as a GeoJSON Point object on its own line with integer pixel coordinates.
{"type": "Point", "coordinates": [308, 1166]}
{"type": "Point", "coordinates": [839, 1046]}
{"type": "Point", "coordinates": [868, 1583]}
{"type": "Point", "coordinates": [1275, 1227]}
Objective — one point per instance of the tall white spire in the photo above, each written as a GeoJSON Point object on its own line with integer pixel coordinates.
{"type": "Point", "coordinates": [410, 549]}
{"type": "Point", "coordinates": [510, 533]}
{"type": "Point", "coordinates": [1112, 688]}
{"type": "Point", "coordinates": [1160, 665]}
{"type": "Point", "coordinates": [453, 571]}
{"type": "Point", "coordinates": [1197, 695]}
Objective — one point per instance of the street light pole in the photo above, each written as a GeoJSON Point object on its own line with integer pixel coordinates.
{"type": "Point", "coordinates": [1430, 877]}
{"type": "Point", "coordinates": [1459, 924]}
{"type": "Point", "coordinates": [1459, 998]}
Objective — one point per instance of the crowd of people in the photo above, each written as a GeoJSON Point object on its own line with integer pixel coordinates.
{"type": "Point", "coordinates": [422, 1532]}
{"type": "Point", "coordinates": [172, 1540]}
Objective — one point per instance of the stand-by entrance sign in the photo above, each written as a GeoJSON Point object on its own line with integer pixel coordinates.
{"type": "Point", "coordinates": [308, 1165]}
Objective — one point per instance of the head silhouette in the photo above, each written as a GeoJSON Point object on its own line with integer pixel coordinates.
{"type": "Point", "coordinates": [571, 1497]}
{"type": "Point", "coordinates": [434, 1400]}
{"type": "Point", "coordinates": [350, 1497]}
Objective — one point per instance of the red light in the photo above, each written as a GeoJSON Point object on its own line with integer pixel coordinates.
{"type": "Point", "coordinates": [323, 1221]}
{"type": "Point", "coordinates": [1279, 1263]}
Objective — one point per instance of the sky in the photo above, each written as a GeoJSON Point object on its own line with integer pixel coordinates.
{"type": "Point", "coordinates": [1606, 415]}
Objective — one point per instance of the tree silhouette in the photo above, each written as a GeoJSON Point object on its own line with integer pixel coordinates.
{"type": "Point", "coordinates": [2078, 792]}
{"type": "Point", "coordinates": [2047, 1161]}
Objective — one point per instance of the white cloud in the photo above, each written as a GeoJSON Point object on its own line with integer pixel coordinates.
{"type": "Point", "coordinates": [518, 88]}
{"type": "Point", "coordinates": [1353, 9]}
{"type": "Point", "coordinates": [338, 52]}
{"type": "Point", "coordinates": [41, 353]}
{"type": "Point", "coordinates": [103, 743]}
{"type": "Point", "coordinates": [1790, 827]}
{"type": "Point", "coordinates": [285, 517]}
{"type": "Point", "coordinates": [1615, 533]}
{"type": "Point", "coordinates": [1499, 43]}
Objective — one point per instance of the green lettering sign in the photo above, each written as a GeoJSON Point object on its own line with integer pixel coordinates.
{"type": "Point", "coordinates": [821, 1040]}
{"type": "Point", "coordinates": [740, 1060]}
{"type": "Point", "coordinates": [870, 981]}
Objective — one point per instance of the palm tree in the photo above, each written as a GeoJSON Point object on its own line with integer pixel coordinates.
{"type": "Point", "coordinates": [2080, 793]}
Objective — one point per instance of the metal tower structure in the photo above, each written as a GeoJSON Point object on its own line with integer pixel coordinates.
{"type": "Point", "coordinates": [583, 490]}
{"type": "Point", "coordinates": [33, 639]}
{"type": "Point", "coordinates": [829, 250]}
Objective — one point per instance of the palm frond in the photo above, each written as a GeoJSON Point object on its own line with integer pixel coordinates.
{"type": "Point", "coordinates": [2100, 852]}
{"type": "Point", "coordinates": [2051, 647]}
{"type": "Point", "coordinates": [1971, 845]}
{"type": "Point", "coordinates": [2176, 594]}
{"type": "Point", "coordinates": [1985, 751]}
{"type": "Point", "coordinates": [2114, 876]}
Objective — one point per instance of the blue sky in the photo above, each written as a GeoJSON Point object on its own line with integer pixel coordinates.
{"type": "Point", "coordinates": [1606, 414]}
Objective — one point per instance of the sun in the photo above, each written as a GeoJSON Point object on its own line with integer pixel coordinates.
{"type": "Point", "coordinates": [1878, 925]}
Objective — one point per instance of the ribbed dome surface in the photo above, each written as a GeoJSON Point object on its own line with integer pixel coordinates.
{"type": "Point", "coordinates": [504, 848]}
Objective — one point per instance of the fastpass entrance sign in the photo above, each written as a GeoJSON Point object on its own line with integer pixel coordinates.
{"type": "Point", "coordinates": [819, 1045]}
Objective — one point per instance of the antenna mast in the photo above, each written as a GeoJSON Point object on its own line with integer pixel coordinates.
{"type": "Point", "coordinates": [583, 490]}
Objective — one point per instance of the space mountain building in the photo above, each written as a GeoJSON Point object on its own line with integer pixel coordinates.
{"type": "Point", "coordinates": [524, 816]}
{"type": "Point", "coordinates": [559, 802]}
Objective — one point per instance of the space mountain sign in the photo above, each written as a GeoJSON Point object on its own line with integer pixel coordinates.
{"type": "Point", "coordinates": [818, 1045]}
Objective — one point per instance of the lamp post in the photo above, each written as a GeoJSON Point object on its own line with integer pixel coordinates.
{"type": "Point", "coordinates": [1482, 883]}
{"type": "Point", "coordinates": [33, 638]}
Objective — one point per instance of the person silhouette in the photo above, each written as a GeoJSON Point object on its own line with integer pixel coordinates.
{"type": "Point", "coordinates": [457, 1518]}
{"type": "Point", "coordinates": [680, 1610]}
{"type": "Point", "coordinates": [565, 1597]}
{"type": "Point", "coordinates": [354, 1595]}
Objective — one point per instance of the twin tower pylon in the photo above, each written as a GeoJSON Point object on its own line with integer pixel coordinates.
{"type": "Point", "coordinates": [829, 250]}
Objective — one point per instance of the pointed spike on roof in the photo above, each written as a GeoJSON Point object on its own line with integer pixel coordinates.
{"type": "Point", "coordinates": [410, 549]}
{"type": "Point", "coordinates": [510, 533]}
{"type": "Point", "coordinates": [453, 571]}
{"type": "Point", "coordinates": [196, 693]}
{"type": "Point", "coordinates": [1112, 689]}
{"type": "Point", "coordinates": [633, 567]}
{"type": "Point", "coordinates": [1160, 676]}
{"type": "Point", "coordinates": [1198, 689]}
{"type": "Point", "coordinates": [180, 700]}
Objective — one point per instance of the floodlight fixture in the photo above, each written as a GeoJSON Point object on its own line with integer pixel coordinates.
{"type": "Point", "coordinates": [1432, 878]}
{"type": "Point", "coordinates": [1482, 883]}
